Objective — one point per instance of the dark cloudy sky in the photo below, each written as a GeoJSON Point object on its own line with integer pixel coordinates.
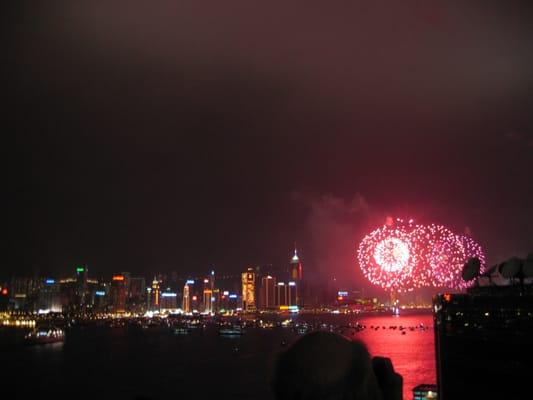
{"type": "Point", "coordinates": [180, 135]}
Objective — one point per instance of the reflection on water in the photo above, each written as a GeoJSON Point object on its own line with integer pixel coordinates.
{"type": "Point", "coordinates": [125, 364]}
{"type": "Point", "coordinates": [412, 353]}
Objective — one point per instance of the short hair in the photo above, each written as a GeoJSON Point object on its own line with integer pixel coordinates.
{"type": "Point", "coordinates": [325, 366]}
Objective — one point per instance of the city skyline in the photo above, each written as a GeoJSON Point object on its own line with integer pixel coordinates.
{"type": "Point", "coordinates": [139, 139]}
{"type": "Point", "coordinates": [267, 200]}
{"type": "Point", "coordinates": [124, 292]}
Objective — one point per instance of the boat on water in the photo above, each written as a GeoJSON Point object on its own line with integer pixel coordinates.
{"type": "Point", "coordinates": [117, 324]}
{"type": "Point", "coordinates": [231, 330]}
{"type": "Point", "coordinates": [303, 328]}
{"type": "Point", "coordinates": [181, 330]}
{"type": "Point", "coordinates": [45, 335]}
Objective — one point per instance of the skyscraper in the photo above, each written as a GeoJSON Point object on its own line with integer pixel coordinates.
{"type": "Point", "coordinates": [155, 294]}
{"type": "Point", "coordinates": [118, 293]}
{"type": "Point", "coordinates": [186, 304]}
{"type": "Point", "coordinates": [168, 300]}
{"type": "Point", "coordinates": [215, 301]}
{"type": "Point", "coordinates": [286, 295]}
{"type": "Point", "coordinates": [248, 290]}
{"type": "Point", "coordinates": [136, 292]}
{"type": "Point", "coordinates": [49, 296]}
{"type": "Point", "coordinates": [23, 292]}
{"type": "Point", "coordinates": [296, 272]}
{"type": "Point", "coordinates": [281, 294]}
{"type": "Point", "coordinates": [208, 300]}
{"type": "Point", "coordinates": [268, 293]}
{"type": "Point", "coordinates": [211, 279]}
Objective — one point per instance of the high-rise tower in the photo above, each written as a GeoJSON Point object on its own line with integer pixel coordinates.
{"type": "Point", "coordinates": [296, 271]}
{"type": "Point", "coordinates": [268, 293]}
{"type": "Point", "coordinates": [186, 304]}
{"type": "Point", "coordinates": [248, 290]}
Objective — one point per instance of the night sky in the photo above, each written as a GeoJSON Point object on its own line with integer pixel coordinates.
{"type": "Point", "coordinates": [189, 135]}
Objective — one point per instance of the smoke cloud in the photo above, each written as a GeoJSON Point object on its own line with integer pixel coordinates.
{"type": "Point", "coordinates": [333, 229]}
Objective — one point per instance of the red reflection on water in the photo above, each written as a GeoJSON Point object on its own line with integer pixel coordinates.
{"type": "Point", "coordinates": [412, 353]}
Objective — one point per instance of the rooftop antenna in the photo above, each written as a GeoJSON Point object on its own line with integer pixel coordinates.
{"type": "Point", "coordinates": [512, 269]}
{"type": "Point", "coordinates": [488, 273]}
{"type": "Point", "coordinates": [527, 267]}
{"type": "Point", "coordinates": [471, 269]}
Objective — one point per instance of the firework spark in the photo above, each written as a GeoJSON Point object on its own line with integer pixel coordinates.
{"type": "Point", "coordinates": [402, 256]}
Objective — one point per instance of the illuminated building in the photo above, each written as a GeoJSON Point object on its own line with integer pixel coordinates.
{"type": "Point", "coordinates": [281, 294]}
{"type": "Point", "coordinates": [81, 286]}
{"type": "Point", "coordinates": [4, 297]}
{"type": "Point", "coordinates": [194, 303]}
{"type": "Point", "coordinates": [215, 301]}
{"type": "Point", "coordinates": [211, 280]}
{"type": "Point", "coordinates": [208, 295]}
{"type": "Point", "coordinates": [487, 329]}
{"type": "Point", "coordinates": [229, 302]}
{"type": "Point", "coordinates": [49, 297]}
{"type": "Point", "coordinates": [118, 293]}
{"type": "Point", "coordinates": [292, 294]}
{"type": "Point", "coordinates": [186, 302]}
{"type": "Point", "coordinates": [149, 298]}
{"type": "Point", "coordinates": [101, 298]}
{"type": "Point", "coordinates": [78, 293]}
{"type": "Point", "coordinates": [224, 301]}
{"type": "Point", "coordinates": [286, 294]}
{"type": "Point", "coordinates": [248, 290]}
{"type": "Point", "coordinates": [234, 302]}
{"type": "Point", "coordinates": [155, 295]}
{"type": "Point", "coordinates": [207, 301]}
{"type": "Point", "coordinates": [136, 293]}
{"type": "Point", "coordinates": [296, 272]}
{"type": "Point", "coordinates": [268, 293]}
{"type": "Point", "coordinates": [168, 301]}
{"type": "Point", "coordinates": [23, 293]}
{"type": "Point", "coordinates": [68, 294]}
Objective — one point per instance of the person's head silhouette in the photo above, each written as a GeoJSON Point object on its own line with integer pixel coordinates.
{"type": "Point", "coordinates": [327, 366]}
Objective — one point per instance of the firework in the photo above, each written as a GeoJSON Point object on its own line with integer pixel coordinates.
{"type": "Point", "coordinates": [402, 256]}
{"type": "Point", "coordinates": [388, 257]}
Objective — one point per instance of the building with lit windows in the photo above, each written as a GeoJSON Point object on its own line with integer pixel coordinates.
{"type": "Point", "coordinates": [234, 302]}
{"type": "Point", "coordinates": [211, 280]}
{"type": "Point", "coordinates": [155, 294]}
{"type": "Point", "coordinates": [118, 293]}
{"type": "Point", "coordinates": [169, 301]}
{"type": "Point", "coordinates": [215, 301]}
{"type": "Point", "coordinates": [224, 301]}
{"type": "Point", "coordinates": [286, 294]}
{"type": "Point", "coordinates": [186, 302]}
{"type": "Point", "coordinates": [248, 290]}
{"type": "Point", "coordinates": [78, 293]}
{"type": "Point", "coordinates": [267, 296]}
{"type": "Point", "coordinates": [149, 298]}
{"type": "Point", "coordinates": [292, 294]}
{"type": "Point", "coordinates": [82, 275]}
{"type": "Point", "coordinates": [4, 297]}
{"type": "Point", "coordinates": [281, 294]}
{"type": "Point", "coordinates": [207, 301]}
{"type": "Point", "coordinates": [296, 273]}
{"type": "Point", "coordinates": [49, 296]}
{"type": "Point", "coordinates": [101, 298]}
{"type": "Point", "coordinates": [23, 293]}
{"type": "Point", "coordinates": [195, 303]}
{"type": "Point", "coordinates": [136, 294]}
